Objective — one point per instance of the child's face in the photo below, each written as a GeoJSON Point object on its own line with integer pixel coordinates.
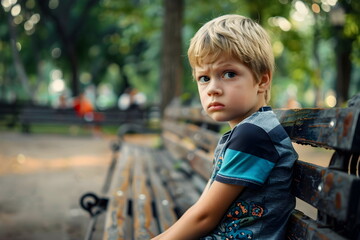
{"type": "Point", "coordinates": [228, 90]}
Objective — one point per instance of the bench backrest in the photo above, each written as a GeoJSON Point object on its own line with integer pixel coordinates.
{"type": "Point", "coordinates": [334, 190]}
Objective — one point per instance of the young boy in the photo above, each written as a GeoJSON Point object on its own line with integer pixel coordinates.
{"type": "Point", "coordinates": [248, 195]}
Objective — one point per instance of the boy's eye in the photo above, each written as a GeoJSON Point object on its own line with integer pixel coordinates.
{"type": "Point", "coordinates": [203, 79]}
{"type": "Point", "coordinates": [229, 75]}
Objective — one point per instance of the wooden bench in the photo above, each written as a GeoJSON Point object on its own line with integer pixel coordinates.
{"type": "Point", "coordinates": [152, 187]}
{"type": "Point", "coordinates": [30, 115]}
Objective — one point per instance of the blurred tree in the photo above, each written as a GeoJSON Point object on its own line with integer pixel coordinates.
{"type": "Point", "coordinates": [124, 43]}
{"type": "Point", "coordinates": [69, 20]}
{"type": "Point", "coordinates": [18, 63]}
{"type": "Point", "coordinates": [171, 65]}
{"type": "Point", "coordinates": [135, 47]}
{"type": "Point", "coordinates": [345, 32]}
{"type": "Point", "coordinates": [22, 63]}
{"type": "Point", "coordinates": [86, 40]}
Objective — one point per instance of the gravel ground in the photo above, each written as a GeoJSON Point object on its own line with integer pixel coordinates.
{"type": "Point", "coordinates": [42, 178]}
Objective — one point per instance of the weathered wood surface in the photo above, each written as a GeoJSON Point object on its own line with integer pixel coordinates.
{"type": "Point", "coordinates": [141, 205]}
{"type": "Point", "coordinates": [200, 160]}
{"type": "Point", "coordinates": [181, 182]}
{"type": "Point", "coordinates": [334, 128]}
{"type": "Point", "coordinates": [118, 223]}
{"type": "Point", "coordinates": [301, 227]}
{"type": "Point", "coordinates": [330, 191]}
{"type": "Point", "coordinates": [199, 136]}
{"type": "Point", "coordinates": [164, 204]}
{"type": "Point", "coordinates": [144, 221]}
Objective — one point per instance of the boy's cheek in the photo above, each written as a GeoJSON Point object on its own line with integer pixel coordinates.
{"type": "Point", "coordinates": [202, 95]}
{"type": "Point", "coordinates": [203, 103]}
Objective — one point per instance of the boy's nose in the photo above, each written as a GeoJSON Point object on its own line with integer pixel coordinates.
{"type": "Point", "coordinates": [214, 88]}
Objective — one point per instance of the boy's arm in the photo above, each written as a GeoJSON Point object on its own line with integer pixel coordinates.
{"type": "Point", "coordinates": [205, 189]}
{"type": "Point", "coordinates": [205, 214]}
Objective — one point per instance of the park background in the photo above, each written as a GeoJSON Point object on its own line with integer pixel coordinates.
{"type": "Point", "coordinates": [102, 47]}
{"type": "Point", "coordinates": [53, 48]}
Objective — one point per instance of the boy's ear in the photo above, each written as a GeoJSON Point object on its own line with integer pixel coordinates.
{"type": "Point", "coordinates": [265, 82]}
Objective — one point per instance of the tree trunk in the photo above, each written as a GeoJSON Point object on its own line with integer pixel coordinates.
{"type": "Point", "coordinates": [316, 76]}
{"type": "Point", "coordinates": [71, 52]}
{"type": "Point", "coordinates": [343, 69]}
{"type": "Point", "coordinates": [171, 72]}
{"type": "Point", "coordinates": [343, 49]}
{"type": "Point", "coordinates": [19, 66]}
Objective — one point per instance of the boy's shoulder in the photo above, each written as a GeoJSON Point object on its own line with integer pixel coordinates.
{"type": "Point", "coordinates": [265, 121]}
{"type": "Point", "coordinates": [265, 118]}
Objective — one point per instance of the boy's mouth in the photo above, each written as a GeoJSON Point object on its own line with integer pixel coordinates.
{"type": "Point", "coordinates": [215, 106]}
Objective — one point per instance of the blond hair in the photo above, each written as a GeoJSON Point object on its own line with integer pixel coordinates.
{"type": "Point", "coordinates": [238, 37]}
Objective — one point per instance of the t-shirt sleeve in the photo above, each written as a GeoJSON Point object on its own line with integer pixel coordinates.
{"type": "Point", "coordinates": [249, 157]}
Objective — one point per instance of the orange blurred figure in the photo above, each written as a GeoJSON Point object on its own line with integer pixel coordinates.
{"type": "Point", "coordinates": [83, 106]}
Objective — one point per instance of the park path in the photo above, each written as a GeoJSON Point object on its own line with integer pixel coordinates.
{"type": "Point", "coordinates": [42, 178]}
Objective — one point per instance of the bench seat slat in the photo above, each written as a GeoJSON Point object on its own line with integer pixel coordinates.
{"type": "Point", "coordinates": [301, 227]}
{"type": "Point", "coordinates": [180, 182]}
{"type": "Point", "coordinates": [165, 209]}
{"type": "Point", "coordinates": [328, 190]}
{"type": "Point", "coordinates": [145, 226]}
{"type": "Point", "coordinates": [177, 128]}
{"type": "Point", "coordinates": [118, 223]}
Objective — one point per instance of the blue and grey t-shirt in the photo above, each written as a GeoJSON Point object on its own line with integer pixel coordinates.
{"type": "Point", "coordinates": [257, 154]}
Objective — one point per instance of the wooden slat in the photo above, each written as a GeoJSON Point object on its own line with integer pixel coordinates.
{"type": "Point", "coordinates": [200, 160]}
{"type": "Point", "coordinates": [118, 224]}
{"type": "Point", "coordinates": [334, 192]}
{"type": "Point", "coordinates": [145, 225]}
{"type": "Point", "coordinates": [179, 183]}
{"type": "Point", "coordinates": [301, 227]}
{"type": "Point", "coordinates": [163, 203]}
{"type": "Point", "coordinates": [205, 138]}
{"type": "Point", "coordinates": [202, 138]}
{"type": "Point", "coordinates": [178, 128]}
{"type": "Point", "coordinates": [181, 147]}
{"type": "Point", "coordinates": [335, 128]}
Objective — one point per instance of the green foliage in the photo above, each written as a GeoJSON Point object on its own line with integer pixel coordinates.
{"type": "Point", "coordinates": [119, 43]}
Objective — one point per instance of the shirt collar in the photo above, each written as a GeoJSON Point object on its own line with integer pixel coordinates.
{"type": "Point", "coordinates": [264, 109]}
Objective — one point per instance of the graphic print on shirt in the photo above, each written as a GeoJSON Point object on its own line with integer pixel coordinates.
{"type": "Point", "coordinates": [240, 215]}
{"type": "Point", "coordinates": [245, 213]}
{"type": "Point", "coordinates": [242, 235]}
